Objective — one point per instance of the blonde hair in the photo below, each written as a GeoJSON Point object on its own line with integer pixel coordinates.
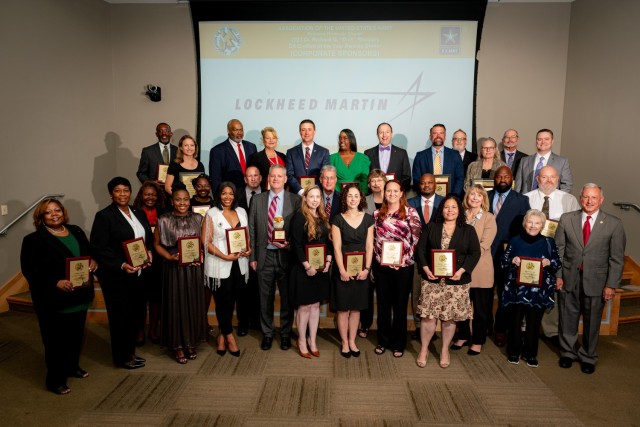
{"type": "Point", "coordinates": [180, 155]}
{"type": "Point", "coordinates": [268, 129]}
{"type": "Point", "coordinates": [312, 222]}
{"type": "Point", "coordinates": [477, 188]}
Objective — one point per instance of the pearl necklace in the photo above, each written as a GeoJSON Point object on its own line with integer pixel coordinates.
{"type": "Point", "coordinates": [52, 231]}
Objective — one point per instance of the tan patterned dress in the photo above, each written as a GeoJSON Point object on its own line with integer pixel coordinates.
{"type": "Point", "coordinates": [445, 302]}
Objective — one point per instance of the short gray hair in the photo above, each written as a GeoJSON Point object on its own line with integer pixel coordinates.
{"type": "Point", "coordinates": [329, 168]}
{"type": "Point", "coordinates": [534, 212]}
{"type": "Point", "coordinates": [592, 185]}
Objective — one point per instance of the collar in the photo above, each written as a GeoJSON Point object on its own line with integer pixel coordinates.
{"type": "Point", "coordinates": [384, 148]}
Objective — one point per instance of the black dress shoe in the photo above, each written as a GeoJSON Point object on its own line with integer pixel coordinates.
{"type": "Point", "coordinates": [587, 368]}
{"type": "Point", "coordinates": [267, 342]}
{"type": "Point", "coordinates": [132, 365]}
{"type": "Point", "coordinates": [243, 331]}
{"type": "Point", "coordinates": [345, 354]}
{"type": "Point", "coordinates": [355, 353]}
{"type": "Point", "coordinates": [565, 362]}
{"type": "Point", "coordinates": [80, 373]}
{"type": "Point", "coordinates": [285, 343]}
{"type": "Point", "coordinates": [139, 359]}
{"type": "Point", "coordinates": [63, 389]}
{"type": "Point", "coordinates": [472, 352]}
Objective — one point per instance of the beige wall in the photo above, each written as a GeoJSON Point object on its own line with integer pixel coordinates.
{"type": "Point", "coordinates": [602, 104]}
{"type": "Point", "coordinates": [74, 115]}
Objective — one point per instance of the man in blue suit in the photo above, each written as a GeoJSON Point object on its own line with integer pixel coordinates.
{"type": "Point", "coordinates": [439, 160]}
{"type": "Point", "coordinates": [306, 158]}
{"type": "Point", "coordinates": [509, 208]}
{"type": "Point", "coordinates": [228, 160]}
{"type": "Point", "coordinates": [427, 199]}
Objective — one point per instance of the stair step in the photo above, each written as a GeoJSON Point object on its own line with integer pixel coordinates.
{"type": "Point", "coordinates": [21, 302]}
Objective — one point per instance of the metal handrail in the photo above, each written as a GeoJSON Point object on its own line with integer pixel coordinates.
{"type": "Point", "coordinates": [625, 206]}
{"type": "Point", "coordinates": [3, 232]}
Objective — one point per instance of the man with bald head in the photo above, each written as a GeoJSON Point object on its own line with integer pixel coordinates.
{"type": "Point", "coordinates": [510, 153]}
{"type": "Point", "coordinates": [553, 203]}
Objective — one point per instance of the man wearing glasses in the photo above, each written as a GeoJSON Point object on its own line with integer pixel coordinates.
{"type": "Point", "coordinates": [510, 154]}
{"type": "Point", "coordinates": [459, 143]}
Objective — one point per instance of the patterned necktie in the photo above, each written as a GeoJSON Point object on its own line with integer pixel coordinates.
{"type": "Point", "coordinates": [437, 164]}
{"type": "Point", "coordinates": [243, 163]}
{"type": "Point", "coordinates": [307, 157]}
{"type": "Point", "coordinates": [537, 172]}
{"type": "Point", "coordinates": [270, 218]}
{"type": "Point", "coordinates": [327, 206]}
{"type": "Point", "coordinates": [545, 206]}
{"type": "Point", "coordinates": [427, 211]}
{"type": "Point", "coordinates": [165, 155]}
{"type": "Point", "coordinates": [510, 160]}
{"type": "Point", "coordinates": [499, 204]}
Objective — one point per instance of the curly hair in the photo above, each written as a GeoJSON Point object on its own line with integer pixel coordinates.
{"type": "Point", "coordinates": [312, 222]}
{"type": "Point", "coordinates": [343, 197]}
{"type": "Point", "coordinates": [439, 217]}
{"type": "Point", "coordinates": [161, 202]}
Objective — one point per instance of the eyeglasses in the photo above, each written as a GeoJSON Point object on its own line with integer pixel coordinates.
{"type": "Point", "coordinates": [459, 139]}
{"type": "Point", "coordinates": [510, 137]}
{"type": "Point", "coordinates": [488, 148]}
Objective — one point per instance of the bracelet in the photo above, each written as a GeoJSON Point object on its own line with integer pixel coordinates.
{"type": "Point", "coordinates": [368, 268]}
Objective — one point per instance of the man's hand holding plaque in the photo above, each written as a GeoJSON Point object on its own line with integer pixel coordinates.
{"type": "Point", "coordinates": [279, 234]}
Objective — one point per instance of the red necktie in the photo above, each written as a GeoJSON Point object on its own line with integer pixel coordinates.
{"type": "Point", "coordinates": [270, 218]}
{"type": "Point", "coordinates": [327, 206]}
{"type": "Point", "coordinates": [243, 163]}
{"type": "Point", "coordinates": [586, 230]}
{"type": "Point", "coordinates": [307, 158]}
{"type": "Point", "coordinates": [427, 213]}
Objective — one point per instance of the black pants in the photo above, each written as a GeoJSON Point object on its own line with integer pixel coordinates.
{"type": "Point", "coordinates": [482, 300]}
{"type": "Point", "coordinates": [393, 288]}
{"type": "Point", "coordinates": [500, 322]}
{"type": "Point", "coordinates": [226, 296]}
{"type": "Point", "coordinates": [62, 335]}
{"type": "Point", "coordinates": [248, 305]}
{"type": "Point", "coordinates": [519, 343]}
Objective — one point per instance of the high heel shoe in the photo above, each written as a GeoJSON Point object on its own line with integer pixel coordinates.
{"type": "Point", "coordinates": [445, 363]}
{"type": "Point", "coordinates": [192, 354]}
{"type": "Point", "coordinates": [458, 347]}
{"type": "Point", "coordinates": [180, 357]}
{"type": "Point", "coordinates": [223, 351]}
{"type": "Point", "coordinates": [304, 355]}
{"type": "Point", "coordinates": [314, 353]}
{"type": "Point", "coordinates": [235, 353]}
{"type": "Point", "coordinates": [472, 352]}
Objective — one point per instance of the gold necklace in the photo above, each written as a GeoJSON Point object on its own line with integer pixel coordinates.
{"type": "Point", "coordinates": [52, 231]}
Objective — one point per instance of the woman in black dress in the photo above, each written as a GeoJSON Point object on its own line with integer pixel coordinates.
{"type": "Point", "coordinates": [309, 287]}
{"type": "Point", "coordinates": [352, 231]}
{"type": "Point", "coordinates": [61, 307]}
{"type": "Point", "coordinates": [121, 282]}
{"type": "Point", "coordinates": [185, 162]}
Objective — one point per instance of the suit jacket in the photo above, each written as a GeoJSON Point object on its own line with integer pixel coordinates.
{"type": "Point", "coordinates": [602, 257]}
{"type": "Point", "coordinates": [224, 164]}
{"type": "Point", "coordinates": [242, 199]}
{"type": "Point", "coordinates": [109, 230]}
{"type": "Point", "coordinates": [464, 241]}
{"type": "Point", "coordinates": [516, 160]}
{"type": "Point", "coordinates": [416, 203]}
{"type": "Point", "coordinates": [295, 164]}
{"type": "Point", "coordinates": [475, 171]}
{"type": "Point", "coordinates": [150, 158]}
{"type": "Point", "coordinates": [509, 220]}
{"type": "Point", "coordinates": [486, 229]}
{"type": "Point", "coordinates": [469, 158]}
{"type": "Point", "coordinates": [335, 204]}
{"type": "Point", "coordinates": [261, 161]}
{"type": "Point", "coordinates": [258, 223]}
{"type": "Point", "coordinates": [43, 262]}
{"type": "Point", "coordinates": [452, 166]}
{"type": "Point", "coordinates": [398, 164]}
{"type": "Point", "coordinates": [524, 177]}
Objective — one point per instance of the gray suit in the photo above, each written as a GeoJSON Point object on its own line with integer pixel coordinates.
{"type": "Point", "coordinates": [602, 261]}
{"type": "Point", "coordinates": [272, 264]}
{"type": "Point", "coordinates": [524, 176]}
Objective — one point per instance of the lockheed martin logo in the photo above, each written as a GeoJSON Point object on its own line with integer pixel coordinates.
{"type": "Point", "coordinates": [367, 101]}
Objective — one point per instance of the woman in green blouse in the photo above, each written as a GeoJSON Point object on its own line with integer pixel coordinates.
{"type": "Point", "coordinates": [351, 166]}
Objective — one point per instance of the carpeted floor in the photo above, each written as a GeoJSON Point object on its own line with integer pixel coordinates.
{"type": "Point", "coordinates": [279, 388]}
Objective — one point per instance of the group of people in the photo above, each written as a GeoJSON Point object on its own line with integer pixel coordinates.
{"type": "Point", "coordinates": [332, 229]}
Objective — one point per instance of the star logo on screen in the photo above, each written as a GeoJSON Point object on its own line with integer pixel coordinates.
{"type": "Point", "coordinates": [449, 40]}
{"type": "Point", "coordinates": [227, 40]}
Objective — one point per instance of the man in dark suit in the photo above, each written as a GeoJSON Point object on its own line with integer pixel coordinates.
{"type": "Point", "coordinates": [270, 259]}
{"type": "Point", "coordinates": [439, 160]}
{"type": "Point", "coordinates": [530, 166]}
{"type": "Point", "coordinates": [389, 158]}
{"type": "Point", "coordinates": [509, 208]}
{"type": "Point", "coordinates": [591, 244]}
{"type": "Point", "coordinates": [228, 160]}
{"type": "Point", "coordinates": [510, 153]}
{"type": "Point", "coordinates": [161, 152]}
{"type": "Point", "coordinates": [330, 197]}
{"type": "Point", "coordinates": [459, 143]}
{"type": "Point", "coordinates": [427, 201]}
{"type": "Point", "coordinates": [306, 158]}
{"type": "Point", "coordinates": [248, 306]}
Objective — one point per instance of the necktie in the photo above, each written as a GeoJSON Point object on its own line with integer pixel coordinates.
{"type": "Point", "coordinates": [510, 160]}
{"type": "Point", "coordinates": [327, 206]}
{"type": "Point", "coordinates": [545, 206]}
{"type": "Point", "coordinates": [270, 218]}
{"type": "Point", "coordinates": [253, 193]}
{"type": "Point", "coordinates": [586, 230]}
{"type": "Point", "coordinates": [307, 157]}
{"type": "Point", "coordinates": [427, 211]}
{"type": "Point", "coordinates": [437, 164]}
{"type": "Point", "coordinates": [243, 163]}
{"type": "Point", "coordinates": [165, 155]}
{"type": "Point", "coordinates": [387, 148]}
{"type": "Point", "coordinates": [498, 205]}
{"type": "Point", "coordinates": [537, 172]}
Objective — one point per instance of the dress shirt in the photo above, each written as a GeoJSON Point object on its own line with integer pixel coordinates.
{"type": "Point", "coordinates": [279, 208]}
{"type": "Point", "coordinates": [235, 147]}
{"type": "Point", "coordinates": [496, 196]}
{"type": "Point", "coordinates": [593, 216]}
{"type": "Point", "coordinates": [384, 155]}
{"type": "Point", "coordinates": [138, 229]}
{"type": "Point", "coordinates": [508, 153]}
{"type": "Point", "coordinates": [537, 160]}
{"type": "Point", "coordinates": [248, 191]}
{"type": "Point", "coordinates": [304, 149]}
{"type": "Point", "coordinates": [559, 202]}
{"type": "Point", "coordinates": [433, 155]}
{"type": "Point", "coordinates": [161, 147]}
{"type": "Point", "coordinates": [423, 201]}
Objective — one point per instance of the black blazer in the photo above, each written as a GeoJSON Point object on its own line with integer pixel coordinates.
{"type": "Point", "coordinates": [224, 164]}
{"type": "Point", "coordinates": [43, 262]}
{"type": "Point", "coordinates": [509, 219]}
{"type": "Point", "coordinates": [261, 161]}
{"type": "Point", "coordinates": [150, 158]}
{"type": "Point", "coordinates": [398, 164]}
{"type": "Point", "coordinates": [109, 230]}
{"type": "Point", "coordinates": [335, 204]}
{"type": "Point", "coordinates": [516, 160]}
{"type": "Point", "coordinates": [464, 241]}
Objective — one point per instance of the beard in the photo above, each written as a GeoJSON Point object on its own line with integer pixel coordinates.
{"type": "Point", "coordinates": [503, 187]}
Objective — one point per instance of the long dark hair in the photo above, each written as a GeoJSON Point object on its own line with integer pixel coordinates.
{"type": "Point", "coordinates": [439, 217]}
{"type": "Point", "coordinates": [343, 198]}
{"type": "Point", "coordinates": [402, 210]}
{"type": "Point", "coordinates": [353, 146]}
{"type": "Point", "coordinates": [218, 201]}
